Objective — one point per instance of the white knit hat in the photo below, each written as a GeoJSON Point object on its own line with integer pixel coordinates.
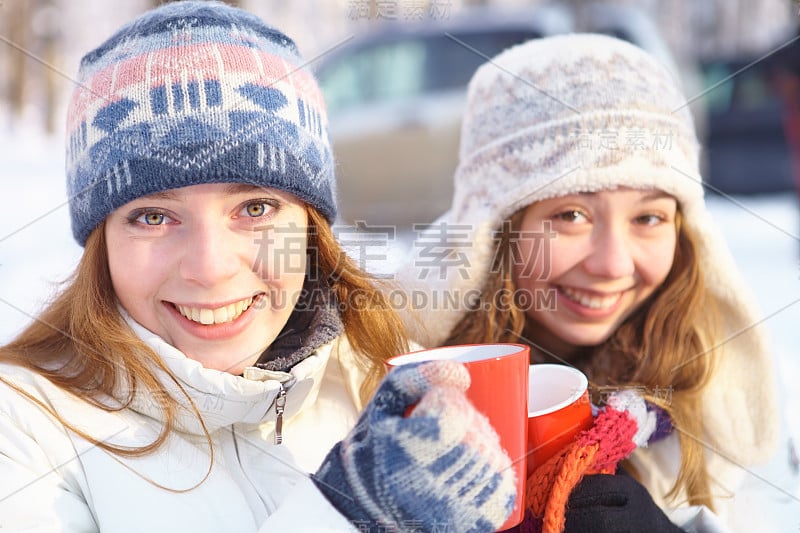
{"type": "Point", "coordinates": [581, 113]}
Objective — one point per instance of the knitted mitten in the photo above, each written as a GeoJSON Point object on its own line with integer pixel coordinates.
{"type": "Point", "coordinates": [439, 468]}
{"type": "Point", "coordinates": [627, 421]}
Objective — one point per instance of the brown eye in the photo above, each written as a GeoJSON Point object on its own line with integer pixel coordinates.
{"type": "Point", "coordinates": [259, 208]}
{"type": "Point", "coordinates": [573, 215]}
{"type": "Point", "coordinates": [649, 220]}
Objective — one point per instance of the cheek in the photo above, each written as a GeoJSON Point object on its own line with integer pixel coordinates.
{"type": "Point", "coordinates": [657, 263]}
{"type": "Point", "coordinates": [140, 261]}
{"type": "Point", "coordinates": [136, 271]}
{"type": "Point", "coordinates": [532, 261]}
{"type": "Point", "coordinates": [547, 259]}
{"type": "Point", "coordinates": [281, 259]}
{"type": "Point", "coordinates": [121, 264]}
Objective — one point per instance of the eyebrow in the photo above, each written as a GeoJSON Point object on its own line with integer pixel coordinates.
{"type": "Point", "coordinates": [231, 188]}
{"type": "Point", "coordinates": [161, 195]}
{"type": "Point", "coordinates": [234, 188]}
{"type": "Point", "coordinates": [657, 195]}
{"type": "Point", "coordinates": [654, 195]}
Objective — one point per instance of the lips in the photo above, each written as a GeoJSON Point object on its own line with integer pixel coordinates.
{"type": "Point", "coordinates": [217, 315]}
{"type": "Point", "coordinates": [590, 299]}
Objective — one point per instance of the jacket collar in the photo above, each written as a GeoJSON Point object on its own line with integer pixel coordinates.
{"type": "Point", "coordinates": [315, 321]}
{"type": "Point", "coordinates": [221, 398]}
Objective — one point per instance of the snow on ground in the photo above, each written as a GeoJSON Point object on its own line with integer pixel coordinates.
{"type": "Point", "coordinates": [36, 245]}
{"type": "Point", "coordinates": [763, 236]}
{"type": "Point", "coordinates": [37, 251]}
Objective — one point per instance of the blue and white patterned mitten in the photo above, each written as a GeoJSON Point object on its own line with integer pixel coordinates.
{"type": "Point", "coordinates": [441, 468]}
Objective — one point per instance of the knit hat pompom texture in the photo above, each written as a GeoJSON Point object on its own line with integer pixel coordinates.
{"type": "Point", "coordinates": [192, 93]}
{"type": "Point", "coordinates": [575, 113]}
{"type": "Point", "coordinates": [582, 113]}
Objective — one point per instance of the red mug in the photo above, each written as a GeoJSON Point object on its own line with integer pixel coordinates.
{"type": "Point", "coordinates": [498, 390]}
{"type": "Point", "coordinates": [558, 409]}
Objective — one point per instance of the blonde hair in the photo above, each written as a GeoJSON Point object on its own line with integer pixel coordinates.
{"type": "Point", "coordinates": [656, 348]}
{"type": "Point", "coordinates": [82, 344]}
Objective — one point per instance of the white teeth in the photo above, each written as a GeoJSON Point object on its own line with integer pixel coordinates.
{"type": "Point", "coordinates": [591, 301]}
{"type": "Point", "coordinates": [206, 316]}
{"type": "Point", "coordinates": [219, 315]}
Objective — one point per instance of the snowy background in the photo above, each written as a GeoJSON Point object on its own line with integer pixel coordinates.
{"type": "Point", "coordinates": [37, 252]}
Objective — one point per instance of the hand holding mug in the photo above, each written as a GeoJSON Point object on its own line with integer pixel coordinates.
{"type": "Point", "coordinates": [440, 466]}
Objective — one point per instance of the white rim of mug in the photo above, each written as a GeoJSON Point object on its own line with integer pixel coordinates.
{"type": "Point", "coordinates": [462, 353]}
{"type": "Point", "coordinates": [581, 385]}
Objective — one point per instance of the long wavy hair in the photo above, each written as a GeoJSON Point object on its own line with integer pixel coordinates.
{"type": "Point", "coordinates": [82, 344]}
{"type": "Point", "coordinates": [655, 350]}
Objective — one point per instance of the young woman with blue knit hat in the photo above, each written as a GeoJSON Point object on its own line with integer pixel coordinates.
{"type": "Point", "coordinates": [208, 353]}
{"type": "Point", "coordinates": [584, 233]}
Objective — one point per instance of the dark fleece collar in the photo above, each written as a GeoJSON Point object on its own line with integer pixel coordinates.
{"type": "Point", "coordinates": [314, 322]}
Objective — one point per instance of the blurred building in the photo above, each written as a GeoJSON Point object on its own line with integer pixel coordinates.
{"type": "Point", "coordinates": [41, 41]}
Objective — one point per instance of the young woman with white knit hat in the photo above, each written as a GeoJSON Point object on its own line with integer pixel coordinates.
{"type": "Point", "coordinates": [578, 226]}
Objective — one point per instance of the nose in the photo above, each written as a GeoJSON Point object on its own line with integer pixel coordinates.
{"type": "Point", "coordinates": [209, 256]}
{"type": "Point", "coordinates": [611, 255]}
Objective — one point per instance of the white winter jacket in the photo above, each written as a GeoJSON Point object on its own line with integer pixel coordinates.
{"type": "Point", "coordinates": [54, 480]}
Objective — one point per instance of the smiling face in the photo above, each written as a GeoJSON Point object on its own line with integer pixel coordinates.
{"type": "Point", "coordinates": [595, 258]}
{"type": "Point", "coordinates": [215, 269]}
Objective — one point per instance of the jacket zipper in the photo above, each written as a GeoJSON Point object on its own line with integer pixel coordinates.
{"type": "Point", "coordinates": [280, 404]}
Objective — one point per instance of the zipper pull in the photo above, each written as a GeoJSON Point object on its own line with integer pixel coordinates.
{"type": "Point", "coordinates": [280, 403]}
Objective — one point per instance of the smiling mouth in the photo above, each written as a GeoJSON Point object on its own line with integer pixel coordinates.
{"type": "Point", "coordinates": [218, 315]}
{"type": "Point", "coordinates": [592, 300]}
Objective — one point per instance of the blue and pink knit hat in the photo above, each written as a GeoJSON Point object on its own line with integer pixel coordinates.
{"type": "Point", "coordinates": [191, 93]}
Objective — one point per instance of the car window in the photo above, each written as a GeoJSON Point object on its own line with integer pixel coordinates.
{"type": "Point", "coordinates": [719, 93]}
{"type": "Point", "coordinates": [452, 60]}
{"type": "Point", "coordinates": [411, 66]}
{"type": "Point", "coordinates": [734, 87]}
{"type": "Point", "coordinates": [386, 72]}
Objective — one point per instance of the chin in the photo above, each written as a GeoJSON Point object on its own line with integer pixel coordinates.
{"type": "Point", "coordinates": [592, 342]}
{"type": "Point", "coordinates": [588, 339]}
{"type": "Point", "coordinates": [221, 362]}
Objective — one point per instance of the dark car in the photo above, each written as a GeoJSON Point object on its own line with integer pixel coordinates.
{"type": "Point", "coordinates": [396, 96]}
{"type": "Point", "coordinates": [753, 123]}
